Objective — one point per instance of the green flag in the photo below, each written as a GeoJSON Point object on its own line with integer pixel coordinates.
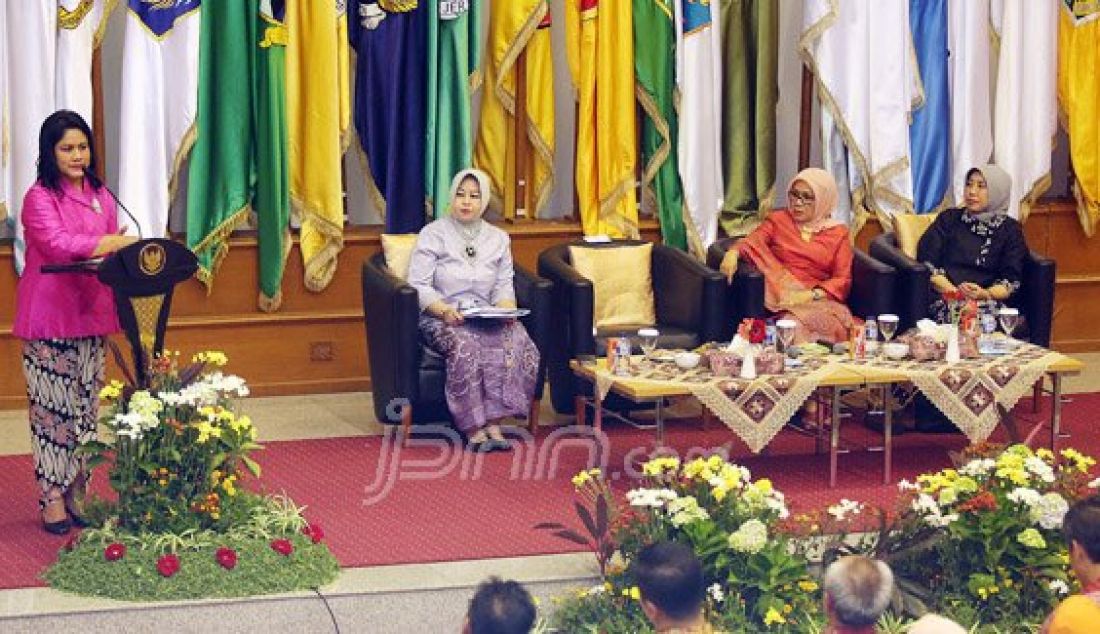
{"type": "Point", "coordinates": [654, 70]}
{"type": "Point", "coordinates": [453, 60]}
{"type": "Point", "coordinates": [750, 91]}
{"type": "Point", "coordinates": [221, 171]}
{"type": "Point", "coordinates": [272, 196]}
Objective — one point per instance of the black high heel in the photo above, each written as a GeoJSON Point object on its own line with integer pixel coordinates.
{"type": "Point", "coordinates": [60, 527]}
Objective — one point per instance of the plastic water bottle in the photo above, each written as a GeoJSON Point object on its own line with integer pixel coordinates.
{"type": "Point", "coordinates": [870, 334]}
{"type": "Point", "coordinates": [769, 334]}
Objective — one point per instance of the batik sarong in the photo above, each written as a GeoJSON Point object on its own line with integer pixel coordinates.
{"type": "Point", "coordinates": [63, 381]}
{"type": "Point", "coordinates": [491, 368]}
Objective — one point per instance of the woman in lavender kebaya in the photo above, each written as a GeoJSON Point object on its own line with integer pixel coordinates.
{"type": "Point", "coordinates": [461, 262]}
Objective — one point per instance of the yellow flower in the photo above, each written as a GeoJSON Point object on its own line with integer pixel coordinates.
{"type": "Point", "coordinates": [807, 586]}
{"type": "Point", "coordinates": [111, 391]}
{"type": "Point", "coordinates": [787, 609]}
{"type": "Point", "coordinates": [207, 431]}
{"type": "Point", "coordinates": [773, 616]}
{"type": "Point", "coordinates": [659, 466]}
{"type": "Point", "coordinates": [983, 593]}
{"type": "Point", "coordinates": [764, 485]}
{"type": "Point", "coordinates": [163, 482]}
{"type": "Point", "coordinates": [635, 593]}
{"type": "Point", "coordinates": [1045, 454]}
{"type": "Point", "coordinates": [240, 424]}
{"type": "Point", "coordinates": [211, 357]}
{"type": "Point", "coordinates": [607, 586]}
{"type": "Point", "coordinates": [229, 486]}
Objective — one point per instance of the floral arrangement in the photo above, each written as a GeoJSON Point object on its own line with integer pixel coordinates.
{"type": "Point", "coordinates": [177, 451]}
{"type": "Point", "coordinates": [755, 579]}
{"type": "Point", "coordinates": [980, 543]}
{"type": "Point", "coordinates": [178, 447]}
{"type": "Point", "coordinates": [753, 330]}
{"type": "Point", "coordinates": [962, 310]}
{"type": "Point", "coordinates": [999, 514]}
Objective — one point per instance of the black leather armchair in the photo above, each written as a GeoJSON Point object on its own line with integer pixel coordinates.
{"type": "Point", "coordinates": [688, 301]}
{"type": "Point", "coordinates": [407, 377]}
{"type": "Point", "coordinates": [1035, 299]}
{"type": "Point", "coordinates": [872, 291]}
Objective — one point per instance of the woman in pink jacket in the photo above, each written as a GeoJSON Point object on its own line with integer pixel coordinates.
{"type": "Point", "coordinates": [63, 318]}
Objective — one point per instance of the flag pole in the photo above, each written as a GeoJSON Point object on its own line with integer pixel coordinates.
{"type": "Point", "coordinates": [523, 165]}
{"type": "Point", "coordinates": [806, 118]}
{"type": "Point", "coordinates": [97, 112]}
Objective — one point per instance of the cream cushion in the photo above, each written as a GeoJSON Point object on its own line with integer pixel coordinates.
{"type": "Point", "coordinates": [398, 249]}
{"type": "Point", "coordinates": [909, 228]}
{"type": "Point", "coordinates": [622, 283]}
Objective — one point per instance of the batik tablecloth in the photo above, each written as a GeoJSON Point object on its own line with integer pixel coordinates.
{"type": "Point", "coordinates": [967, 392]}
{"type": "Point", "coordinates": [754, 409]}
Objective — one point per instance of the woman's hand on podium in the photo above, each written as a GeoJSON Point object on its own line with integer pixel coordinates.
{"type": "Point", "coordinates": [113, 242]}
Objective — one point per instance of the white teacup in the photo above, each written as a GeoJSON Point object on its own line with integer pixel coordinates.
{"type": "Point", "coordinates": [687, 360]}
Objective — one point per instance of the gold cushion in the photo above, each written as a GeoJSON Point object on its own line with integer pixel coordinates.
{"type": "Point", "coordinates": [621, 282]}
{"type": "Point", "coordinates": [398, 248]}
{"type": "Point", "coordinates": [909, 229]}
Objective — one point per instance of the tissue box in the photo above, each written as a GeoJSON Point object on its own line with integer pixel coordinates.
{"type": "Point", "coordinates": [925, 348]}
{"type": "Point", "coordinates": [723, 363]}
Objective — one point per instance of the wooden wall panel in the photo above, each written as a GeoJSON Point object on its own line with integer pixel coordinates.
{"type": "Point", "coordinates": [316, 342]}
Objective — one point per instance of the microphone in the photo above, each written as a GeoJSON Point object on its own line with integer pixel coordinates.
{"type": "Point", "coordinates": [95, 179]}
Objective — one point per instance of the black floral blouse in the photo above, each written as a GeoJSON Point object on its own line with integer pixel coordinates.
{"type": "Point", "coordinates": [967, 249]}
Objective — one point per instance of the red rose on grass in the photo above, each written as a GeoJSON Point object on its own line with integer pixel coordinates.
{"type": "Point", "coordinates": [282, 546]}
{"type": "Point", "coordinates": [314, 532]}
{"type": "Point", "coordinates": [114, 551]}
{"type": "Point", "coordinates": [168, 565]}
{"type": "Point", "coordinates": [226, 558]}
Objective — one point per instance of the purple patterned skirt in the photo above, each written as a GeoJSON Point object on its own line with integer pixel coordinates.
{"type": "Point", "coordinates": [491, 368]}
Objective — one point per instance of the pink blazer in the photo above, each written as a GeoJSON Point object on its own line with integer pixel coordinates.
{"type": "Point", "coordinates": [60, 228]}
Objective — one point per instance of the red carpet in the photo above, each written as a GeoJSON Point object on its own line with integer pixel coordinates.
{"type": "Point", "coordinates": [437, 510]}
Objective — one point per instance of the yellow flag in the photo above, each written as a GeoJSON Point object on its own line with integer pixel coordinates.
{"type": "Point", "coordinates": [318, 113]}
{"type": "Point", "coordinates": [600, 50]}
{"type": "Point", "coordinates": [1079, 94]}
{"type": "Point", "coordinates": [518, 26]}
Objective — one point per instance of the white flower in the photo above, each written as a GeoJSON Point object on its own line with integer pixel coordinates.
{"type": "Point", "coordinates": [596, 589]}
{"type": "Point", "coordinates": [906, 485]}
{"type": "Point", "coordinates": [844, 508]}
{"type": "Point", "coordinates": [750, 537]}
{"type": "Point", "coordinates": [948, 496]}
{"type": "Point", "coordinates": [1039, 468]}
{"type": "Point", "coordinates": [933, 516]}
{"type": "Point", "coordinates": [715, 592]}
{"type": "Point", "coordinates": [228, 384]}
{"type": "Point", "coordinates": [1050, 511]}
{"type": "Point", "coordinates": [1095, 484]}
{"type": "Point", "coordinates": [978, 467]}
{"type": "Point", "coordinates": [1057, 586]}
{"type": "Point", "coordinates": [145, 403]}
{"type": "Point", "coordinates": [1024, 495]}
{"type": "Point", "coordinates": [655, 498]}
{"type": "Point", "coordinates": [686, 510]}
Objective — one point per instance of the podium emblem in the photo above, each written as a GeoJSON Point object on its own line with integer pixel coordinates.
{"type": "Point", "coordinates": [151, 259]}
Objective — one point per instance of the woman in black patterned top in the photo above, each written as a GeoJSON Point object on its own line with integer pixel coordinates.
{"type": "Point", "coordinates": [977, 249]}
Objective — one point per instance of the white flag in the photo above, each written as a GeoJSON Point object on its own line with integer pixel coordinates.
{"type": "Point", "coordinates": [159, 98]}
{"type": "Point", "coordinates": [968, 67]}
{"type": "Point", "coordinates": [5, 146]}
{"type": "Point", "coordinates": [699, 80]}
{"type": "Point", "coordinates": [836, 160]}
{"type": "Point", "coordinates": [31, 38]}
{"type": "Point", "coordinates": [1025, 115]}
{"type": "Point", "coordinates": [80, 26]}
{"type": "Point", "coordinates": [861, 52]}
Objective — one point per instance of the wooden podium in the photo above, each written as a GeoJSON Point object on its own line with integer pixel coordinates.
{"type": "Point", "coordinates": [142, 276]}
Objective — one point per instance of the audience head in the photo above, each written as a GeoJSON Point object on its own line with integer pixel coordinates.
{"type": "Point", "coordinates": [811, 199]}
{"type": "Point", "coordinates": [857, 590]}
{"type": "Point", "coordinates": [987, 189]}
{"type": "Point", "coordinates": [500, 607]}
{"type": "Point", "coordinates": [1081, 527]}
{"type": "Point", "coordinates": [66, 150]}
{"type": "Point", "coordinates": [935, 624]}
{"type": "Point", "coordinates": [470, 193]}
{"type": "Point", "coordinates": [670, 579]}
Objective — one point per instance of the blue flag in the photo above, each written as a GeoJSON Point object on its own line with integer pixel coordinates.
{"type": "Point", "coordinates": [390, 106]}
{"type": "Point", "coordinates": [930, 132]}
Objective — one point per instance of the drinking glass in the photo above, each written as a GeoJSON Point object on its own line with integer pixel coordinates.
{"type": "Point", "coordinates": [887, 325]}
{"type": "Point", "coordinates": [648, 340]}
{"type": "Point", "coordinates": [784, 332]}
{"type": "Point", "coordinates": [1009, 318]}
